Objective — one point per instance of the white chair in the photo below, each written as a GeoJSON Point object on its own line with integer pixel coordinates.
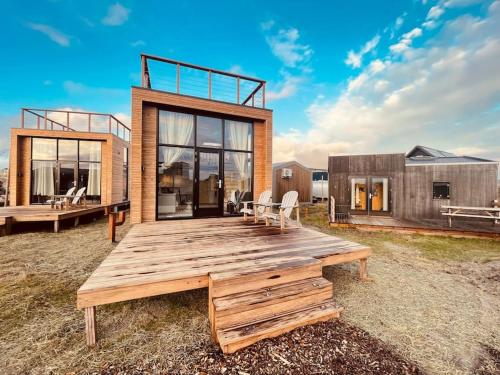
{"type": "Point", "coordinates": [80, 194]}
{"type": "Point", "coordinates": [288, 203]}
{"type": "Point", "coordinates": [259, 207]}
{"type": "Point", "coordinates": [60, 198]}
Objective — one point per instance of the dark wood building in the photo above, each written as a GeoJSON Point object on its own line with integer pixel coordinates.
{"type": "Point", "coordinates": [411, 186]}
{"type": "Point", "coordinates": [292, 175]}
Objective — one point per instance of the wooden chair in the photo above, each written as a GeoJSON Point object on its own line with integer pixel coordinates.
{"type": "Point", "coordinates": [288, 203]}
{"type": "Point", "coordinates": [59, 198]}
{"type": "Point", "coordinates": [80, 195]}
{"type": "Point", "coordinates": [259, 207]}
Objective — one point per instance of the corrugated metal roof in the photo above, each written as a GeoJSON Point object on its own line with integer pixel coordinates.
{"type": "Point", "coordinates": [429, 151]}
{"type": "Point", "coordinates": [419, 160]}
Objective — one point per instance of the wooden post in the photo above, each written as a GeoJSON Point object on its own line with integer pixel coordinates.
{"type": "Point", "coordinates": [298, 215]}
{"type": "Point", "coordinates": [77, 220]}
{"type": "Point", "coordinates": [56, 226]}
{"type": "Point", "coordinates": [449, 217]}
{"type": "Point", "coordinates": [90, 326]}
{"type": "Point", "coordinates": [211, 310]}
{"type": "Point", "coordinates": [111, 226]}
{"type": "Point", "coordinates": [282, 219]}
{"type": "Point", "coordinates": [332, 209]}
{"type": "Point", "coordinates": [363, 269]}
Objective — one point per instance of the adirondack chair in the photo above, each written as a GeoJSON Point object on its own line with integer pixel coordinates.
{"type": "Point", "coordinates": [80, 194]}
{"type": "Point", "coordinates": [288, 203]}
{"type": "Point", "coordinates": [60, 198]}
{"type": "Point", "coordinates": [259, 207]}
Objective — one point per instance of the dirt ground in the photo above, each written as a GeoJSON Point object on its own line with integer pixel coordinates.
{"type": "Point", "coordinates": [427, 309]}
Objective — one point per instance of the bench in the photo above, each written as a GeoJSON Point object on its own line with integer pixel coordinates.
{"type": "Point", "coordinates": [491, 213]}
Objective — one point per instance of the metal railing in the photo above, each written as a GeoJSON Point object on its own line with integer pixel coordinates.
{"type": "Point", "coordinates": [169, 75]}
{"type": "Point", "coordinates": [58, 119]}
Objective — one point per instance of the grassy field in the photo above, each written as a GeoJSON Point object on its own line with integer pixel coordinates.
{"type": "Point", "coordinates": [436, 300]}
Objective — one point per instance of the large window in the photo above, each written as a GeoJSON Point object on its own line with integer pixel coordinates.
{"type": "Point", "coordinates": [179, 137]}
{"type": "Point", "coordinates": [59, 164]}
{"type": "Point", "coordinates": [359, 192]}
{"type": "Point", "coordinates": [380, 194]}
{"type": "Point", "coordinates": [441, 190]}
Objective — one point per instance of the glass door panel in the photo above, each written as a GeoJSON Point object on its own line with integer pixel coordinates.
{"type": "Point", "coordinates": [358, 194]}
{"type": "Point", "coordinates": [379, 194]}
{"type": "Point", "coordinates": [209, 183]}
{"type": "Point", "coordinates": [67, 176]}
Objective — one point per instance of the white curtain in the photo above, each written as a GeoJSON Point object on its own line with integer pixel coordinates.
{"type": "Point", "coordinates": [175, 128]}
{"type": "Point", "coordinates": [241, 163]}
{"type": "Point", "coordinates": [239, 137]}
{"type": "Point", "coordinates": [43, 178]}
{"type": "Point", "coordinates": [95, 151]}
{"type": "Point", "coordinates": [94, 181]}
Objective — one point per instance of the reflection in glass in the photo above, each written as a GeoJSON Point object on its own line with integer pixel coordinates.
{"type": "Point", "coordinates": [89, 176]}
{"type": "Point", "coordinates": [208, 132]}
{"type": "Point", "coordinates": [237, 179]}
{"type": "Point", "coordinates": [358, 194]}
{"type": "Point", "coordinates": [44, 149]}
{"type": "Point", "coordinates": [208, 196]}
{"type": "Point", "coordinates": [238, 135]}
{"type": "Point", "coordinates": [66, 176]}
{"type": "Point", "coordinates": [43, 180]}
{"type": "Point", "coordinates": [90, 151]}
{"type": "Point", "coordinates": [176, 128]}
{"type": "Point", "coordinates": [175, 182]}
{"type": "Point", "coordinates": [380, 194]}
{"type": "Point", "coordinates": [68, 149]}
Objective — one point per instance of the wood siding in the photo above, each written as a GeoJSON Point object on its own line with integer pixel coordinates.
{"type": "Point", "coordinates": [342, 169]}
{"type": "Point", "coordinates": [145, 104]}
{"type": "Point", "coordinates": [20, 162]}
{"type": "Point", "coordinates": [410, 187]}
{"type": "Point", "coordinates": [301, 181]}
{"type": "Point", "coordinates": [470, 185]}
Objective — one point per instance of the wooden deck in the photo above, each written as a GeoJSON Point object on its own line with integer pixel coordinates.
{"type": "Point", "coordinates": [43, 213]}
{"type": "Point", "coordinates": [171, 256]}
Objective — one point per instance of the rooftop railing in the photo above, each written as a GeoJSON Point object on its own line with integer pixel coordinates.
{"type": "Point", "coordinates": [57, 119]}
{"type": "Point", "coordinates": [168, 75]}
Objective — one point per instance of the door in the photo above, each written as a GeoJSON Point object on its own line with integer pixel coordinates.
{"type": "Point", "coordinates": [379, 195]}
{"type": "Point", "coordinates": [208, 183]}
{"type": "Point", "coordinates": [66, 176]}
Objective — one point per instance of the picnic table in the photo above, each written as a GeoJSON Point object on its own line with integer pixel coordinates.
{"type": "Point", "coordinates": [492, 213]}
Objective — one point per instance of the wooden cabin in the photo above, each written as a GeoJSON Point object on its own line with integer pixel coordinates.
{"type": "Point", "coordinates": [201, 141]}
{"type": "Point", "coordinates": [411, 186]}
{"type": "Point", "coordinates": [54, 150]}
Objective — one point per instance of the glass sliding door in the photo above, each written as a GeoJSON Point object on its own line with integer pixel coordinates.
{"type": "Point", "coordinates": [43, 169]}
{"type": "Point", "coordinates": [237, 180]}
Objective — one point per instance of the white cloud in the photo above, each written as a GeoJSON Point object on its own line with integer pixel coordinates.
{"type": "Point", "coordinates": [286, 47]}
{"type": "Point", "coordinates": [441, 94]}
{"type": "Point", "coordinates": [138, 43]}
{"type": "Point", "coordinates": [405, 41]}
{"type": "Point", "coordinates": [376, 66]}
{"type": "Point", "coordinates": [54, 34]}
{"type": "Point", "coordinates": [355, 59]}
{"type": "Point", "coordinates": [267, 25]}
{"type": "Point", "coordinates": [434, 13]}
{"type": "Point", "coordinates": [288, 87]}
{"type": "Point", "coordinates": [77, 88]}
{"type": "Point", "coordinates": [117, 15]}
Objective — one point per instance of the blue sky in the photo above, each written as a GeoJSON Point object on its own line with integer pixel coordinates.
{"type": "Point", "coordinates": [343, 76]}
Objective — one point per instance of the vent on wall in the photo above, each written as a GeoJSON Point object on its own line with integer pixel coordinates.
{"type": "Point", "coordinates": [286, 173]}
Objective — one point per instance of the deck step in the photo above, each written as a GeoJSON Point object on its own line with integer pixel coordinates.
{"type": "Point", "coordinates": [269, 302]}
{"type": "Point", "coordinates": [236, 337]}
{"type": "Point", "coordinates": [264, 273]}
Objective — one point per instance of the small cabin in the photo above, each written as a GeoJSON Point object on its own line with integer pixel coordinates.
{"type": "Point", "coordinates": [411, 186]}
{"type": "Point", "coordinates": [55, 150]}
{"type": "Point", "coordinates": [201, 141]}
{"type": "Point", "coordinates": [311, 184]}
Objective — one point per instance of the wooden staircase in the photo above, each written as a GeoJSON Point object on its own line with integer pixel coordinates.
{"type": "Point", "coordinates": [268, 299]}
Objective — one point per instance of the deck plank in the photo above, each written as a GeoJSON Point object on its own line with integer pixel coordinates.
{"type": "Point", "coordinates": [170, 256]}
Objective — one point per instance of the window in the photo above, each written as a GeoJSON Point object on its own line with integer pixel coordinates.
{"type": "Point", "coordinates": [358, 194]}
{"type": "Point", "coordinates": [125, 174]}
{"type": "Point", "coordinates": [175, 182]}
{"type": "Point", "coordinates": [441, 190]}
{"type": "Point", "coordinates": [237, 179]}
{"type": "Point", "coordinates": [208, 132]}
{"type": "Point", "coordinates": [237, 135]}
{"type": "Point", "coordinates": [176, 128]}
{"type": "Point", "coordinates": [60, 164]}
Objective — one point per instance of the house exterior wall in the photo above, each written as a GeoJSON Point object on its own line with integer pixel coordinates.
{"type": "Point", "coordinates": [301, 181]}
{"type": "Point", "coordinates": [342, 168]}
{"type": "Point", "coordinates": [145, 105]}
{"type": "Point", "coordinates": [472, 185]}
{"type": "Point", "coordinates": [20, 163]}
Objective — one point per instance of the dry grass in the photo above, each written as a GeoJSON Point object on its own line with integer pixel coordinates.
{"type": "Point", "coordinates": [438, 307]}
{"type": "Point", "coordinates": [437, 299]}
